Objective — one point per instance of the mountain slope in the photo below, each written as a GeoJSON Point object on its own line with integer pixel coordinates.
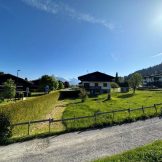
{"type": "Point", "coordinates": [151, 70]}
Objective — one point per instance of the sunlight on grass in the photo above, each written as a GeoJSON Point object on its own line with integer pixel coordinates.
{"type": "Point", "coordinates": [148, 153]}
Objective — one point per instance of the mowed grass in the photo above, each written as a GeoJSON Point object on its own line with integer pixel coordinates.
{"type": "Point", "coordinates": [119, 101]}
{"type": "Point", "coordinates": [148, 153]}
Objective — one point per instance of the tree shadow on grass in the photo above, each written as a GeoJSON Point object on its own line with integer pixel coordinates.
{"type": "Point", "coordinates": [74, 103]}
{"type": "Point", "coordinates": [126, 95]}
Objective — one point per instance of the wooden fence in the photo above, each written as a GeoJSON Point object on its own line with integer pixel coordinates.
{"type": "Point", "coordinates": [94, 116]}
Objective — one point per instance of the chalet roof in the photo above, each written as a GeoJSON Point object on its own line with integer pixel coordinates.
{"type": "Point", "coordinates": [96, 76]}
{"type": "Point", "coordinates": [4, 77]}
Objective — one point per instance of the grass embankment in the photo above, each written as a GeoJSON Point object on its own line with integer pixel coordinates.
{"type": "Point", "coordinates": [148, 153]}
{"type": "Point", "coordinates": [32, 109]}
{"type": "Point", "coordinates": [119, 101]}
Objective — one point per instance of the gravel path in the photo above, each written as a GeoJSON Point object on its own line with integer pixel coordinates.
{"type": "Point", "coordinates": [84, 146]}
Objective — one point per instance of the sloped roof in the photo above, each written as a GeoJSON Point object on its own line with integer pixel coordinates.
{"type": "Point", "coordinates": [96, 76]}
{"type": "Point", "coordinates": [4, 77]}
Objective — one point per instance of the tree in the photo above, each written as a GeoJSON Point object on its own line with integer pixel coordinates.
{"type": "Point", "coordinates": [134, 81]}
{"type": "Point", "coordinates": [61, 85]}
{"type": "Point", "coordinates": [47, 80]}
{"type": "Point", "coordinates": [66, 84]}
{"type": "Point", "coordinates": [116, 78]}
{"type": "Point", "coordinates": [9, 89]}
{"type": "Point", "coordinates": [83, 94]}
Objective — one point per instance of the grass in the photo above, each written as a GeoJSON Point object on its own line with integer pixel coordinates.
{"type": "Point", "coordinates": [33, 109]}
{"type": "Point", "coordinates": [47, 106]}
{"type": "Point", "coordinates": [119, 101]}
{"type": "Point", "coordinates": [148, 153]}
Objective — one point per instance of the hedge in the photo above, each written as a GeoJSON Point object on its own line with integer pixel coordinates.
{"type": "Point", "coordinates": [32, 109]}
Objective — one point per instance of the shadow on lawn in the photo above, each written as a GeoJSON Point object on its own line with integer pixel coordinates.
{"type": "Point", "coordinates": [126, 95]}
{"type": "Point", "coordinates": [74, 103]}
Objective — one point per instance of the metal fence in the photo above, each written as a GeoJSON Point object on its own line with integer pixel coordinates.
{"type": "Point", "coordinates": [93, 118]}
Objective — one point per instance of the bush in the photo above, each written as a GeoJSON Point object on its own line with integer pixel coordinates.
{"type": "Point", "coordinates": [83, 94]}
{"type": "Point", "coordinates": [5, 127]}
{"type": "Point", "coordinates": [60, 85]}
{"type": "Point", "coordinates": [33, 109]}
{"type": "Point", "coordinates": [114, 85]}
{"type": "Point", "coordinates": [19, 95]}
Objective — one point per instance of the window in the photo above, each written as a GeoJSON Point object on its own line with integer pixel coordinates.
{"type": "Point", "coordinates": [105, 84]}
{"type": "Point", "coordinates": [86, 85]}
{"type": "Point", "coordinates": [96, 84]}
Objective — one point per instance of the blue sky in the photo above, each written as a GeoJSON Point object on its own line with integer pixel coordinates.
{"type": "Point", "coordinates": [71, 38]}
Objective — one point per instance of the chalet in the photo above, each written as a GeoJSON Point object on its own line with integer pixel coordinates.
{"type": "Point", "coordinates": [153, 80]}
{"type": "Point", "coordinates": [96, 82]}
{"type": "Point", "coordinates": [22, 84]}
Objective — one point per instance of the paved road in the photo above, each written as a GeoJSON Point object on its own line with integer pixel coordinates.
{"type": "Point", "coordinates": [84, 146]}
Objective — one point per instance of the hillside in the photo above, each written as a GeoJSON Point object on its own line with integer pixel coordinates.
{"type": "Point", "coordinates": [151, 70]}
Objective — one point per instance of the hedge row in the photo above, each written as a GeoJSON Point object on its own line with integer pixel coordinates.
{"type": "Point", "coordinates": [32, 109]}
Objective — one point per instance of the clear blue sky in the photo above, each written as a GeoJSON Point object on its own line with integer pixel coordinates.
{"type": "Point", "coordinates": [71, 38]}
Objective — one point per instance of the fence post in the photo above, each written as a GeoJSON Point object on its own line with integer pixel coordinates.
{"type": "Point", "coordinates": [143, 110]}
{"type": "Point", "coordinates": [29, 128]}
{"type": "Point", "coordinates": [49, 125]}
{"type": "Point", "coordinates": [155, 108]}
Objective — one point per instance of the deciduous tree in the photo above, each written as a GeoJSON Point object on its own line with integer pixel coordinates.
{"type": "Point", "coordinates": [135, 81]}
{"type": "Point", "coordinates": [9, 90]}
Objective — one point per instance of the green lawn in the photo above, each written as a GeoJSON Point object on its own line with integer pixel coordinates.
{"type": "Point", "coordinates": [148, 153]}
{"type": "Point", "coordinates": [119, 101]}
{"type": "Point", "coordinates": [36, 108]}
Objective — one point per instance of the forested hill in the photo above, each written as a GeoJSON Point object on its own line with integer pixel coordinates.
{"type": "Point", "coordinates": [151, 70]}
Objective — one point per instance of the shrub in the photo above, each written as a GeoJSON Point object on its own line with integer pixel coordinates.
{"type": "Point", "coordinates": [5, 127]}
{"type": "Point", "coordinates": [60, 85]}
{"type": "Point", "coordinates": [19, 95]}
{"type": "Point", "coordinates": [114, 85]}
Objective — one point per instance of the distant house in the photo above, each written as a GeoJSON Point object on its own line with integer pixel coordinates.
{"type": "Point", "coordinates": [22, 84]}
{"type": "Point", "coordinates": [153, 80]}
{"type": "Point", "coordinates": [96, 82]}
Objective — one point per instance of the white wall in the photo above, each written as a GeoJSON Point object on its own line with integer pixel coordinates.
{"type": "Point", "coordinates": [100, 84]}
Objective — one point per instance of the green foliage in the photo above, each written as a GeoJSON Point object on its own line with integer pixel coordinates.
{"type": "Point", "coordinates": [114, 85]}
{"type": "Point", "coordinates": [61, 85]}
{"type": "Point", "coordinates": [9, 89]}
{"type": "Point", "coordinates": [83, 94]}
{"type": "Point", "coordinates": [48, 80]}
{"type": "Point", "coordinates": [67, 85]}
{"type": "Point", "coordinates": [19, 95]}
{"type": "Point", "coordinates": [116, 78]}
{"type": "Point", "coordinates": [5, 127]}
{"type": "Point", "coordinates": [135, 81]}
{"type": "Point", "coordinates": [32, 109]}
{"type": "Point", "coordinates": [149, 71]}
{"type": "Point", "coordinates": [118, 101]}
{"type": "Point", "coordinates": [148, 153]}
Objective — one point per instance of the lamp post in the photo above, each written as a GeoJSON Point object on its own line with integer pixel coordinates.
{"type": "Point", "coordinates": [17, 79]}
